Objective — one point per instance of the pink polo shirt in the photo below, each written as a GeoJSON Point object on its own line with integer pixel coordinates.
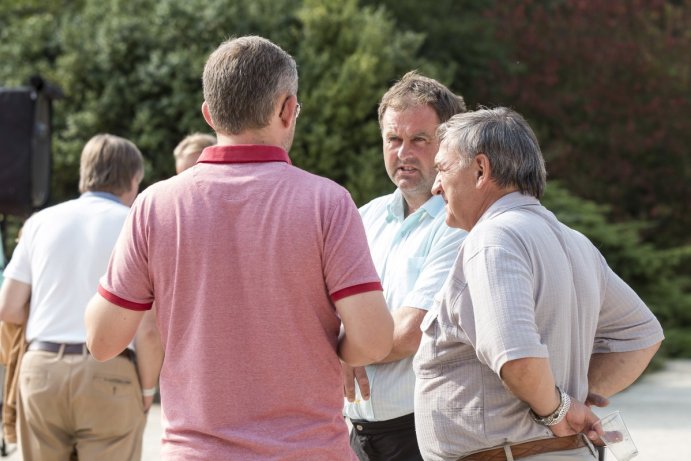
{"type": "Point", "coordinates": [244, 255]}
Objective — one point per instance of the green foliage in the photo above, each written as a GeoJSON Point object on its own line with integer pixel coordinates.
{"type": "Point", "coordinates": [134, 69]}
{"type": "Point", "coordinates": [348, 59]}
{"type": "Point", "coordinates": [607, 86]}
{"type": "Point", "coordinates": [677, 342]}
{"type": "Point", "coordinates": [457, 34]}
{"type": "Point", "coordinates": [657, 275]}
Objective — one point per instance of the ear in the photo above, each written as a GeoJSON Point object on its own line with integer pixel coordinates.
{"type": "Point", "coordinates": [207, 115]}
{"type": "Point", "coordinates": [483, 171]}
{"type": "Point", "coordinates": [287, 111]}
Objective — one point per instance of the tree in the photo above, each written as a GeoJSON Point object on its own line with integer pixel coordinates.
{"type": "Point", "coordinates": [655, 274]}
{"type": "Point", "coordinates": [607, 85]}
{"type": "Point", "coordinates": [134, 69]}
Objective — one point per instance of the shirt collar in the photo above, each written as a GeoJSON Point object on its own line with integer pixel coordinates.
{"type": "Point", "coordinates": [244, 153]}
{"type": "Point", "coordinates": [508, 202]}
{"type": "Point", "coordinates": [101, 194]}
{"type": "Point", "coordinates": [395, 207]}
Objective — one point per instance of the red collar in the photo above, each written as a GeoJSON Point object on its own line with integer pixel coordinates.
{"type": "Point", "coordinates": [244, 153]}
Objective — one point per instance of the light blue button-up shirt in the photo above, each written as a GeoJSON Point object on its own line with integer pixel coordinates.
{"type": "Point", "coordinates": [413, 256]}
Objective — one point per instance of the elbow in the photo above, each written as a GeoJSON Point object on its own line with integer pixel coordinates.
{"type": "Point", "coordinates": [98, 350]}
{"type": "Point", "coordinates": [380, 348]}
{"type": "Point", "coordinates": [378, 354]}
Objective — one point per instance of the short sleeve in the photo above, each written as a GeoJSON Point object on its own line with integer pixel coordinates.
{"type": "Point", "coordinates": [126, 283]}
{"type": "Point", "coordinates": [625, 323]}
{"type": "Point", "coordinates": [348, 267]}
{"type": "Point", "coordinates": [501, 288]}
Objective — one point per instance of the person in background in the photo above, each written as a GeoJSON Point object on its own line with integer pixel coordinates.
{"type": "Point", "coordinates": [413, 250]}
{"type": "Point", "coordinates": [261, 275]}
{"type": "Point", "coordinates": [189, 149]}
{"type": "Point", "coordinates": [532, 325]}
{"type": "Point", "coordinates": [70, 404]}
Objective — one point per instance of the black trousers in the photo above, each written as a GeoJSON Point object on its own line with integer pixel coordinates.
{"type": "Point", "coordinates": [391, 440]}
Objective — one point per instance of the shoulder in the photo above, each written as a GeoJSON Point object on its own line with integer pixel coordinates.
{"type": "Point", "coordinates": [316, 182]}
{"type": "Point", "coordinates": [377, 205]}
{"type": "Point", "coordinates": [509, 232]}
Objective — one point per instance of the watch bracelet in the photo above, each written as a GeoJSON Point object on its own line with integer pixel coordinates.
{"type": "Point", "coordinates": [557, 415]}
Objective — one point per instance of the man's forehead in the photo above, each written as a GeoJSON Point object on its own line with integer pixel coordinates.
{"type": "Point", "coordinates": [418, 120]}
{"type": "Point", "coordinates": [407, 128]}
{"type": "Point", "coordinates": [442, 154]}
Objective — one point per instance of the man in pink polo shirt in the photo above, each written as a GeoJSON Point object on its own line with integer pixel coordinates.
{"type": "Point", "coordinates": [261, 275]}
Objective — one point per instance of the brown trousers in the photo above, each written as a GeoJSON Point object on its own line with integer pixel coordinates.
{"type": "Point", "coordinates": [73, 403]}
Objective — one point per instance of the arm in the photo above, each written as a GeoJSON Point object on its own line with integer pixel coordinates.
{"type": "Point", "coordinates": [613, 372]}
{"type": "Point", "coordinates": [406, 340]}
{"type": "Point", "coordinates": [367, 333]}
{"type": "Point", "coordinates": [530, 379]}
{"type": "Point", "coordinates": [147, 342]}
{"type": "Point", "coordinates": [406, 333]}
{"type": "Point", "coordinates": [14, 299]}
{"type": "Point", "coordinates": [109, 327]}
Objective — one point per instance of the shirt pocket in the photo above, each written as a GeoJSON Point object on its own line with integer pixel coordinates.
{"type": "Point", "coordinates": [426, 363]}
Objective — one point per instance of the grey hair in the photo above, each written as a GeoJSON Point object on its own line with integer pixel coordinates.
{"type": "Point", "coordinates": [506, 139]}
{"type": "Point", "coordinates": [243, 80]}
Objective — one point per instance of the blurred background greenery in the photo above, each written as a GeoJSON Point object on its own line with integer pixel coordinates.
{"type": "Point", "coordinates": [605, 85]}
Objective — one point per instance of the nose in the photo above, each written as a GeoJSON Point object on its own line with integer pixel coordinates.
{"type": "Point", "coordinates": [436, 187]}
{"type": "Point", "coordinates": [403, 151]}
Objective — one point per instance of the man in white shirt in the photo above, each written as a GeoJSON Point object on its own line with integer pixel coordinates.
{"type": "Point", "coordinates": [70, 404]}
{"type": "Point", "coordinates": [413, 250]}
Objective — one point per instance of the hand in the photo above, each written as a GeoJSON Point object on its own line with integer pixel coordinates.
{"type": "Point", "coordinates": [579, 418]}
{"type": "Point", "coordinates": [350, 376]}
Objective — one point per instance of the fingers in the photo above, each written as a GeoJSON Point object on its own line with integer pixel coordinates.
{"type": "Point", "coordinates": [362, 381]}
{"type": "Point", "coordinates": [348, 382]}
{"type": "Point", "coordinates": [595, 438]}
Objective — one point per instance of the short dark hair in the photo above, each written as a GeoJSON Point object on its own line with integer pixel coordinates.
{"type": "Point", "coordinates": [242, 81]}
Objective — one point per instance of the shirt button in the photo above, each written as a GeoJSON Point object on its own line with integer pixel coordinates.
{"type": "Point", "coordinates": [358, 427]}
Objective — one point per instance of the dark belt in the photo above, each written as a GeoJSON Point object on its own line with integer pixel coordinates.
{"type": "Point", "coordinates": [382, 427]}
{"type": "Point", "coordinates": [535, 447]}
{"type": "Point", "coordinates": [71, 349]}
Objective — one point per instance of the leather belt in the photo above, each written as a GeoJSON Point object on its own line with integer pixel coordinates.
{"type": "Point", "coordinates": [71, 349]}
{"type": "Point", "coordinates": [535, 447]}
{"type": "Point", "coordinates": [401, 423]}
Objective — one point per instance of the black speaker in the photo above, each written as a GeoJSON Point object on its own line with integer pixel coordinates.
{"type": "Point", "coordinates": [25, 147]}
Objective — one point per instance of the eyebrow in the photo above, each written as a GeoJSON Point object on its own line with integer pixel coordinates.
{"type": "Point", "coordinates": [419, 134]}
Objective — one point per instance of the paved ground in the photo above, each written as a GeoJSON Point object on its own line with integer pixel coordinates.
{"type": "Point", "coordinates": [657, 411]}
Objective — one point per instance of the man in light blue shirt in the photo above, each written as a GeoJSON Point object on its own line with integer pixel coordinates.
{"type": "Point", "coordinates": [413, 250]}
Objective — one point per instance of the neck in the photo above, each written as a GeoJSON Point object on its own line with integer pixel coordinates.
{"type": "Point", "coordinates": [411, 204]}
{"type": "Point", "coordinates": [262, 137]}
